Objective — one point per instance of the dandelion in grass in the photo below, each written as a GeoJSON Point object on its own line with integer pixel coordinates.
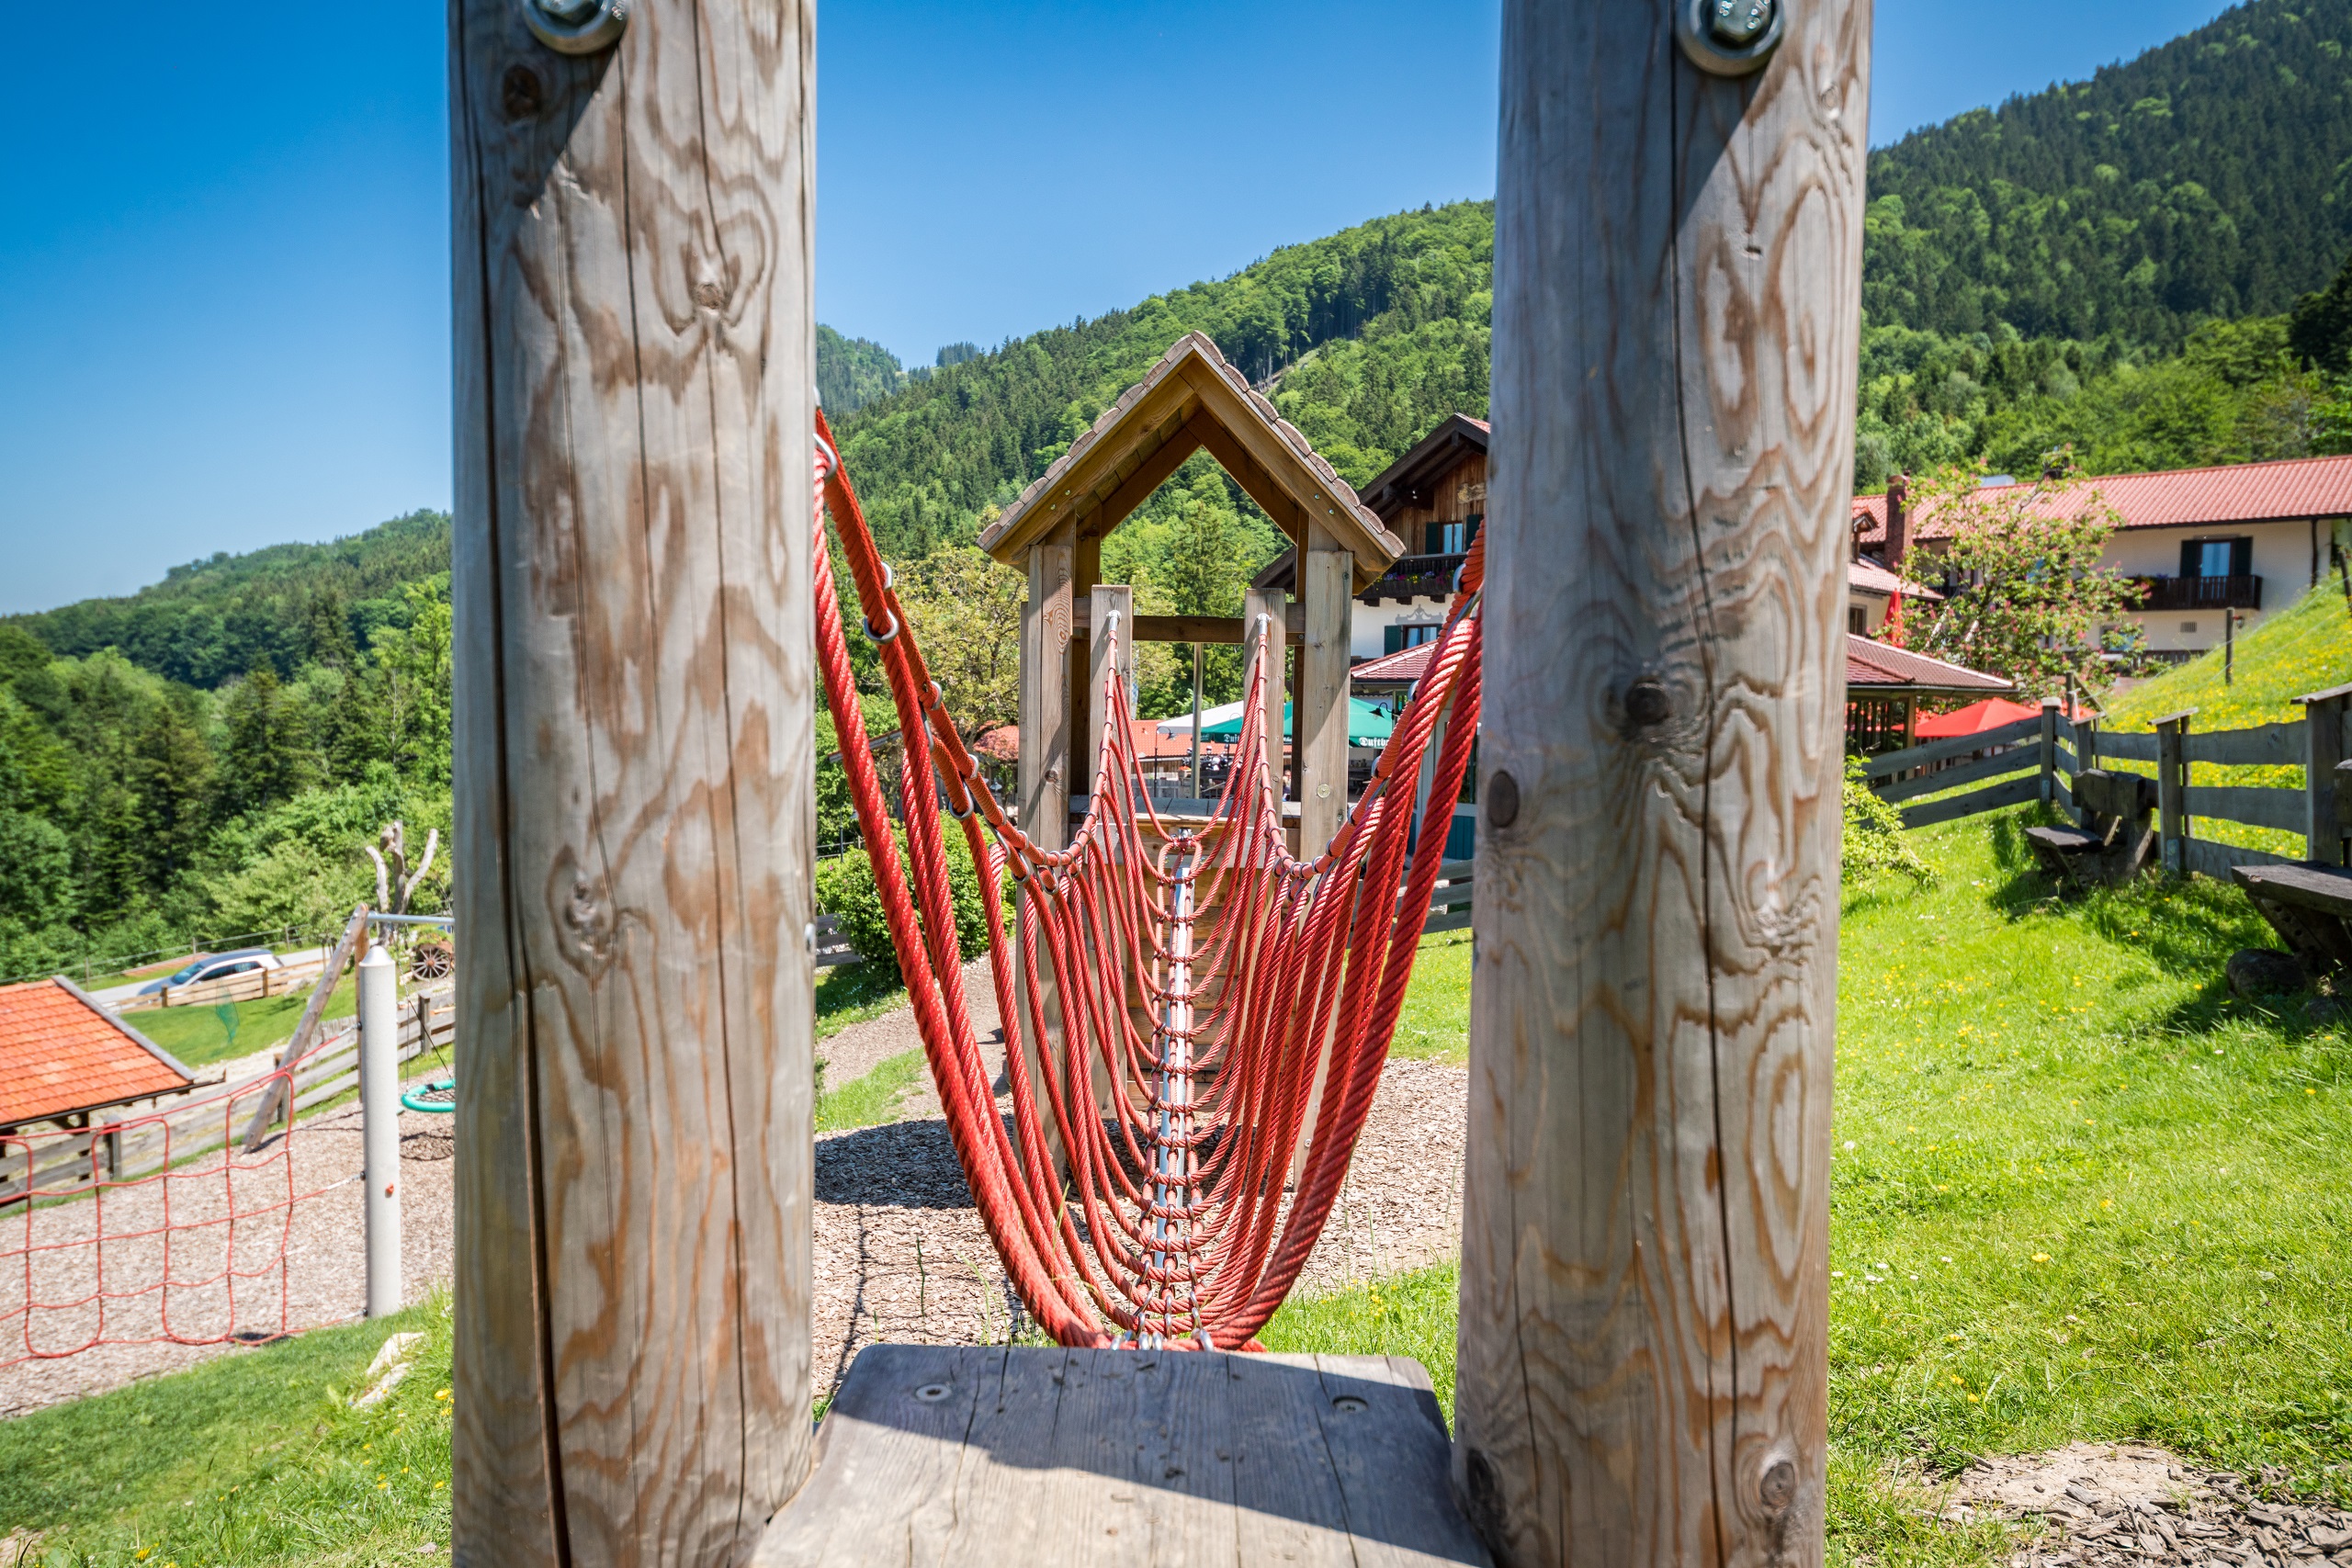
{"type": "Point", "coordinates": [2042, 1257]}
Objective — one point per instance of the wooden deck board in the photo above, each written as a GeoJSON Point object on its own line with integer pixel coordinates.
{"type": "Point", "coordinates": [1169, 1458]}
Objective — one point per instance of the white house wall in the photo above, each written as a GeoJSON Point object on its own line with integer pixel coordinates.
{"type": "Point", "coordinates": [2282, 559]}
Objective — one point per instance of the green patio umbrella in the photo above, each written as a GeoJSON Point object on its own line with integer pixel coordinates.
{"type": "Point", "coordinates": [1367, 725]}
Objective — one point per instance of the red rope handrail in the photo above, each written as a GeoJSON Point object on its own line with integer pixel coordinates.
{"type": "Point", "coordinates": [1196, 972]}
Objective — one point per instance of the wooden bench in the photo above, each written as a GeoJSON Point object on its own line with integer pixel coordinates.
{"type": "Point", "coordinates": [2309, 906]}
{"type": "Point", "coordinates": [2118, 837]}
{"type": "Point", "coordinates": [975, 1454]}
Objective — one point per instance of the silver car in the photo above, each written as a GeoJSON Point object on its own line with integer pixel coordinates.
{"type": "Point", "coordinates": [218, 966]}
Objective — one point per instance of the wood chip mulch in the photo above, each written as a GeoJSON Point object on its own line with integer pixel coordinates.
{"type": "Point", "coordinates": [2104, 1506]}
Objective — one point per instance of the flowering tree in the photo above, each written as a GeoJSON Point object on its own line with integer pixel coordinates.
{"type": "Point", "coordinates": [2026, 597]}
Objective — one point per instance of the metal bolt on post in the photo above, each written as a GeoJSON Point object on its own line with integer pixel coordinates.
{"type": "Point", "coordinates": [576, 27]}
{"type": "Point", "coordinates": [379, 1113]}
{"type": "Point", "coordinates": [1729, 38]}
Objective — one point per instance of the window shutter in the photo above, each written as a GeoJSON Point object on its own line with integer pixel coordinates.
{"type": "Point", "coordinates": [2191, 554]}
{"type": "Point", "coordinates": [1392, 640]}
{"type": "Point", "coordinates": [2242, 558]}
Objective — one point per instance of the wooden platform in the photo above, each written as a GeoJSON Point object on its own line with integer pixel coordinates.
{"type": "Point", "coordinates": [936, 1454]}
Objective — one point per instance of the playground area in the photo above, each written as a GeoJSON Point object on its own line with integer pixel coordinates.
{"type": "Point", "coordinates": [2116, 1183]}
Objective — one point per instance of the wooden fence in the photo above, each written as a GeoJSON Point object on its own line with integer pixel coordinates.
{"type": "Point", "coordinates": [292, 975]}
{"type": "Point", "coordinates": [2036, 759]}
{"type": "Point", "coordinates": [131, 1146]}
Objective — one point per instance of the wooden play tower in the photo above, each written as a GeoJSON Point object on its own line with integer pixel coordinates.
{"type": "Point", "coordinates": [1190, 399]}
{"type": "Point", "coordinates": [1643, 1345]}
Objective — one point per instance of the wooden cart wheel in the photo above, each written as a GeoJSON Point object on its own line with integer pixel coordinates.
{"type": "Point", "coordinates": [430, 960]}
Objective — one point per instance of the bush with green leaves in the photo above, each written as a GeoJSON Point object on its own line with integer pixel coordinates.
{"type": "Point", "coordinates": [845, 890]}
{"type": "Point", "coordinates": [1874, 840]}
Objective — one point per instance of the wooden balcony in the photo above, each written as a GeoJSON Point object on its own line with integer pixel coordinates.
{"type": "Point", "coordinates": [1415, 576]}
{"type": "Point", "coordinates": [2198, 593]}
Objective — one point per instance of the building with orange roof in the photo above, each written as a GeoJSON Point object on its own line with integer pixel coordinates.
{"type": "Point", "coordinates": [2246, 539]}
{"type": "Point", "coordinates": [63, 1058]}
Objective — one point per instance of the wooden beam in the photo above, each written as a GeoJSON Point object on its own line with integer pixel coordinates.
{"type": "Point", "coordinates": [1253, 478]}
{"type": "Point", "coordinates": [1315, 497]}
{"type": "Point", "coordinates": [1643, 1372]}
{"type": "Point", "coordinates": [1225, 629]}
{"type": "Point", "coordinates": [633, 768]}
{"type": "Point", "coordinates": [1151, 473]}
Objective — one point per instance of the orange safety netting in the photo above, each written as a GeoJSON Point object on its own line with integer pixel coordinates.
{"type": "Point", "coordinates": [1174, 985]}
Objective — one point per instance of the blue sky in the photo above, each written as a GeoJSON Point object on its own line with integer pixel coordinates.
{"type": "Point", "coordinates": [224, 232]}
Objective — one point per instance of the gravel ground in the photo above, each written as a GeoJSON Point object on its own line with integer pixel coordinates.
{"type": "Point", "coordinates": [900, 1253]}
{"type": "Point", "coordinates": [2101, 1505]}
{"type": "Point", "coordinates": [322, 1280]}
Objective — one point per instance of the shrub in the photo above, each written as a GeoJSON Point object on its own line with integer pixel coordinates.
{"type": "Point", "coordinates": [1873, 838]}
{"type": "Point", "coordinates": [845, 890]}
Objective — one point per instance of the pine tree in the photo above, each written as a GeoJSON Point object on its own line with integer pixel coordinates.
{"type": "Point", "coordinates": [268, 757]}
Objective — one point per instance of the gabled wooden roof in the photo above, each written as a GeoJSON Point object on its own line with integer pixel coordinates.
{"type": "Point", "coordinates": [1190, 399]}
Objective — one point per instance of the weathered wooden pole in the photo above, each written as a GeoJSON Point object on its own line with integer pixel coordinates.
{"type": "Point", "coordinates": [1643, 1342]}
{"type": "Point", "coordinates": [634, 364]}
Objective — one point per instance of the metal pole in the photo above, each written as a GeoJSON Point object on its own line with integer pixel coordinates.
{"type": "Point", "coordinates": [379, 1115]}
{"type": "Point", "coordinates": [1197, 790]}
{"type": "Point", "coordinates": [2228, 646]}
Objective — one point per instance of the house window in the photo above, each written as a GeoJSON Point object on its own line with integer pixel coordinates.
{"type": "Point", "coordinates": [2217, 557]}
{"type": "Point", "coordinates": [1397, 639]}
{"type": "Point", "coordinates": [1453, 538]}
{"type": "Point", "coordinates": [1858, 620]}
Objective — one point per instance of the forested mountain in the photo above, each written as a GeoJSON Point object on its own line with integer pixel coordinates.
{"type": "Point", "coordinates": [2209, 177]}
{"type": "Point", "coordinates": [283, 606]}
{"type": "Point", "coordinates": [854, 371]}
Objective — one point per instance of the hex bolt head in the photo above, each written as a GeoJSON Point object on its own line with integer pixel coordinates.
{"type": "Point", "coordinates": [1730, 38]}
{"type": "Point", "coordinates": [1740, 22]}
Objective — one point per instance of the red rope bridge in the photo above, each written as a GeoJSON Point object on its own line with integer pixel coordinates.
{"type": "Point", "coordinates": [1197, 972]}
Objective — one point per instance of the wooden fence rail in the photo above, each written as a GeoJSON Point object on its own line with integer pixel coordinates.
{"type": "Point", "coordinates": [2044, 753]}
{"type": "Point", "coordinates": [133, 1148]}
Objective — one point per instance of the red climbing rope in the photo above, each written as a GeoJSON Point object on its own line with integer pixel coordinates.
{"type": "Point", "coordinates": [1169, 990]}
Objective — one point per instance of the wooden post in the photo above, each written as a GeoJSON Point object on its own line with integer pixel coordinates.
{"type": "Point", "coordinates": [2050, 751]}
{"type": "Point", "coordinates": [2085, 758]}
{"type": "Point", "coordinates": [2324, 740]}
{"type": "Point", "coordinates": [1268, 602]}
{"type": "Point", "coordinates": [1048, 629]}
{"type": "Point", "coordinates": [1048, 632]}
{"type": "Point", "coordinates": [1327, 586]}
{"type": "Point", "coordinates": [1103, 600]}
{"type": "Point", "coordinates": [1642, 1352]}
{"type": "Point", "coordinates": [2172, 780]}
{"type": "Point", "coordinates": [634, 358]}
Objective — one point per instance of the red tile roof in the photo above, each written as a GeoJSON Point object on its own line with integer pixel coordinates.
{"type": "Point", "coordinates": [1872, 664]}
{"type": "Point", "coordinates": [1406, 664]}
{"type": "Point", "coordinates": [61, 1053]}
{"type": "Point", "coordinates": [2241, 492]}
{"type": "Point", "coordinates": [1002, 744]}
{"type": "Point", "coordinates": [1869, 576]}
{"type": "Point", "coordinates": [1878, 668]}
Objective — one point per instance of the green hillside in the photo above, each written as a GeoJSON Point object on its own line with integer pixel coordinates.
{"type": "Point", "coordinates": [2208, 178]}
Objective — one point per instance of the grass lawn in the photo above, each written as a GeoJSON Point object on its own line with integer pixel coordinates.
{"type": "Point", "coordinates": [197, 1037]}
{"type": "Point", "coordinates": [251, 1461]}
{"type": "Point", "coordinates": [2078, 1193]}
